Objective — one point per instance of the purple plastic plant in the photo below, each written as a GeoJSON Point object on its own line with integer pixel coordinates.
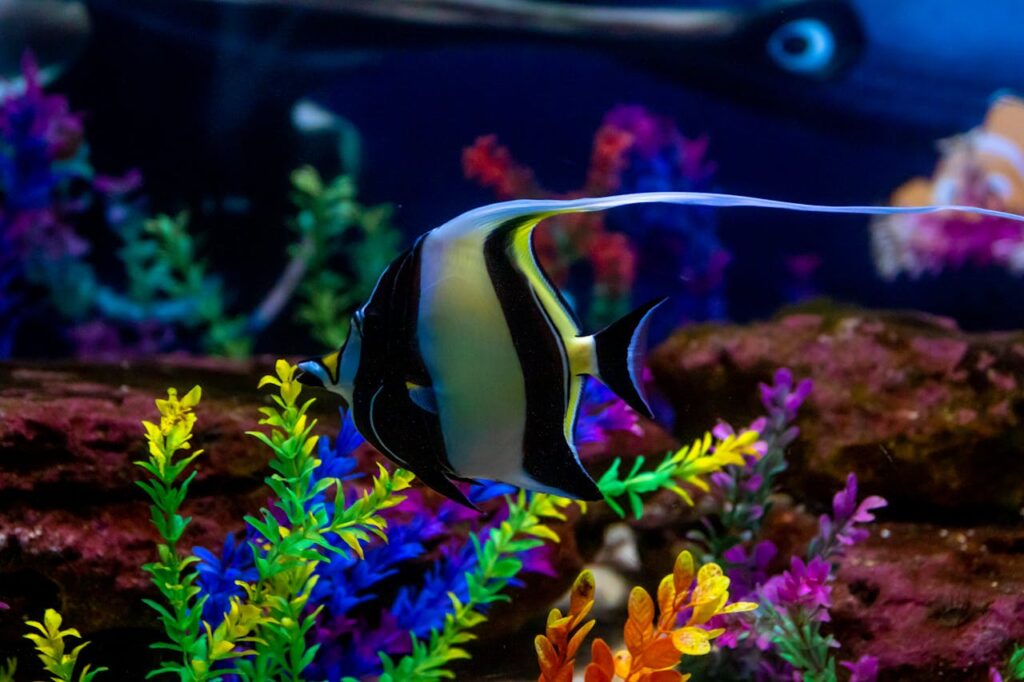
{"type": "Point", "coordinates": [804, 586]}
{"type": "Point", "coordinates": [840, 530]}
{"type": "Point", "coordinates": [47, 186]}
{"type": "Point", "coordinates": [41, 159]}
{"type": "Point", "coordinates": [742, 493]}
{"type": "Point", "coordinates": [797, 602]}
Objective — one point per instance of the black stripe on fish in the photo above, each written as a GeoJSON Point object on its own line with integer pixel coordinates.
{"type": "Point", "coordinates": [383, 410]}
{"type": "Point", "coordinates": [547, 458]}
{"type": "Point", "coordinates": [551, 285]}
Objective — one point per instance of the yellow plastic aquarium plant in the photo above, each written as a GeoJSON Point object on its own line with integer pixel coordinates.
{"type": "Point", "coordinates": [688, 465]}
{"type": "Point", "coordinates": [198, 645]}
{"type": "Point", "coordinates": [53, 654]}
{"type": "Point", "coordinates": [654, 646]}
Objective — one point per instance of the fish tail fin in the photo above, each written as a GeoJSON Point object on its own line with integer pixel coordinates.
{"type": "Point", "coordinates": [619, 350]}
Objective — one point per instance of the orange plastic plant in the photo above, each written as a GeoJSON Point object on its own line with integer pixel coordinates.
{"type": "Point", "coordinates": [654, 646]}
{"type": "Point", "coordinates": [556, 650]}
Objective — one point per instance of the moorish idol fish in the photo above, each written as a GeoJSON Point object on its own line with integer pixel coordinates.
{"type": "Point", "coordinates": [466, 363]}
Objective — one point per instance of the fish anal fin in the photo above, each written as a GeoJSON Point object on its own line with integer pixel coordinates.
{"type": "Point", "coordinates": [442, 484]}
{"type": "Point", "coordinates": [554, 467]}
{"type": "Point", "coordinates": [568, 480]}
{"type": "Point", "coordinates": [619, 350]}
{"type": "Point", "coordinates": [423, 396]}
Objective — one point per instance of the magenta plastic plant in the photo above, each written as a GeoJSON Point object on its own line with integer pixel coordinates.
{"type": "Point", "coordinates": [787, 636]}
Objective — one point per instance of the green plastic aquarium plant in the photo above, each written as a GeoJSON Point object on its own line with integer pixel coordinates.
{"type": "Point", "coordinates": [335, 230]}
{"type": "Point", "coordinates": [686, 466]}
{"type": "Point", "coordinates": [1014, 667]}
{"type": "Point", "coordinates": [263, 635]}
{"type": "Point", "coordinates": [340, 247]}
{"type": "Point", "coordinates": [497, 565]}
{"type": "Point", "coordinates": [295, 545]}
{"type": "Point", "coordinates": [197, 646]}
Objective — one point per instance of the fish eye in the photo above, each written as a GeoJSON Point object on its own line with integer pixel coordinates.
{"type": "Point", "coordinates": [803, 46]}
{"type": "Point", "coordinates": [999, 185]}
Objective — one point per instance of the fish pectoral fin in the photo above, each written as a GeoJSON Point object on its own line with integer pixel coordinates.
{"type": "Point", "coordinates": [620, 349]}
{"type": "Point", "coordinates": [423, 396]}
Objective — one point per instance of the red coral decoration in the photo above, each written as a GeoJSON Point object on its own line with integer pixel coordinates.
{"type": "Point", "coordinates": [563, 240]}
{"type": "Point", "coordinates": [631, 145]}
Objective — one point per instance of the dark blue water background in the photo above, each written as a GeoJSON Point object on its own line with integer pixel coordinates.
{"type": "Point", "coordinates": [203, 125]}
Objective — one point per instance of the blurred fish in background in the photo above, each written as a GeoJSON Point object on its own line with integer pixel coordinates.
{"type": "Point", "coordinates": [927, 65]}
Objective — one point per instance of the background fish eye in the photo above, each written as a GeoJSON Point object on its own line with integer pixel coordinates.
{"type": "Point", "coordinates": [803, 46]}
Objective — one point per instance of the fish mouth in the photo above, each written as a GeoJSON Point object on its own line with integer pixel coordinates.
{"type": "Point", "coordinates": [308, 375]}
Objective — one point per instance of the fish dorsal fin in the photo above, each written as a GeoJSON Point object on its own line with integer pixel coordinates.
{"type": "Point", "coordinates": [619, 349]}
{"type": "Point", "coordinates": [496, 216]}
{"type": "Point", "coordinates": [423, 396]}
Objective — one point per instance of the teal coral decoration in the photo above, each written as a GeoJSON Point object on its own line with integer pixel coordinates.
{"type": "Point", "coordinates": [345, 247]}
{"type": "Point", "coordinates": [168, 296]}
